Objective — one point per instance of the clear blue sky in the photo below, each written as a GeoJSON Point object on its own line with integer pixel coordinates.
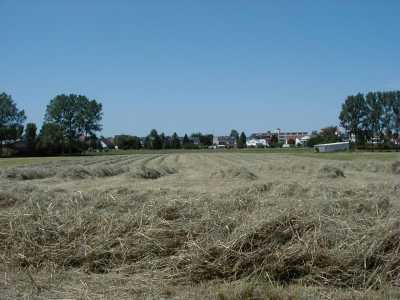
{"type": "Point", "coordinates": [199, 66]}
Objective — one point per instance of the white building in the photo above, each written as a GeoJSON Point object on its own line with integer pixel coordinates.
{"type": "Point", "coordinates": [254, 142]}
{"type": "Point", "coordinates": [332, 147]}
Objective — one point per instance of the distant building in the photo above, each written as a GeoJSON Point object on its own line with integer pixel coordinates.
{"type": "Point", "coordinates": [284, 137]}
{"type": "Point", "coordinates": [227, 142]}
{"type": "Point", "coordinates": [332, 147]}
{"type": "Point", "coordinates": [256, 143]}
{"type": "Point", "coordinates": [300, 137]}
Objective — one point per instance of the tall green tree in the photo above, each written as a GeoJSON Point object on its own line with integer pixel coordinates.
{"type": "Point", "coordinates": [241, 141]}
{"type": "Point", "coordinates": [153, 133]}
{"type": "Point", "coordinates": [30, 137]}
{"type": "Point", "coordinates": [372, 122]}
{"type": "Point", "coordinates": [157, 142]}
{"type": "Point", "coordinates": [395, 108]}
{"type": "Point", "coordinates": [89, 117]}
{"type": "Point", "coordinates": [74, 115]}
{"type": "Point", "coordinates": [353, 114]}
{"type": "Point", "coordinates": [235, 134]}
{"type": "Point", "coordinates": [186, 143]}
{"type": "Point", "coordinates": [11, 120]}
{"type": "Point", "coordinates": [274, 140]}
{"type": "Point", "coordinates": [49, 140]}
{"type": "Point", "coordinates": [176, 143]}
{"type": "Point", "coordinates": [62, 111]}
{"type": "Point", "coordinates": [147, 143]}
{"type": "Point", "coordinates": [388, 118]}
{"type": "Point", "coordinates": [166, 143]}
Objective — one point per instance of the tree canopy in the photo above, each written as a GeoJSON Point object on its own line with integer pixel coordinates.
{"type": "Point", "coordinates": [74, 115]}
{"type": "Point", "coordinates": [375, 117]}
{"type": "Point", "coordinates": [11, 119]}
{"type": "Point", "coordinates": [30, 137]}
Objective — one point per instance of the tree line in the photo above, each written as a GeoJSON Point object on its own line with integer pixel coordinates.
{"type": "Point", "coordinates": [374, 117]}
{"type": "Point", "coordinates": [67, 117]}
{"type": "Point", "coordinates": [157, 141]}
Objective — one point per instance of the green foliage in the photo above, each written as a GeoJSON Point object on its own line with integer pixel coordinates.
{"type": "Point", "coordinates": [126, 142]}
{"type": "Point", "coordinates": [49, 140]}
{"type": "Point", "coordinates": [353, 114]}
{"type": "Point", "coordinates": [326, 136]}
{"type": "Point", "coordinates": [153, 133]}
{"type": "Point", "coordinates": [274, 140]}
{"type": "Point", "coordinates": [315, 140]}
{"type": "Point", "coordinates": [242, 138]}
{"type": "Point", "coordinates": [187, 146]}
{"type": "Point", "coordinates": [176, 143]}
{"type": "Point", "coordinates": [185, 139]}
{"type": "Point", "coordinates": [89, 117]}
{"type": "Point", "coordinates": [157, 142]}
{"type": "Point", "coordinates": [241, 145]}
{"type": "Point", "coordinates": [374, 118]}
{"type": "Point", "coordinates": [74, 115]}
{"type": "Point", "coordinates": [11, 119]}
{"type": "Point", "coordinates": [206, 140]}
{"type": "Point", "coordinates": [166, 143]}
{"type": "Point", "coordinates": [147, 143]}
{"type": "Point", "coordinates": [235, 134]}
{"type": "Point", "coordinates": [30, 137]}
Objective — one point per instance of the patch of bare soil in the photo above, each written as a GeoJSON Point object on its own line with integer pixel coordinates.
{"type": "Point", "coordinates": [212, 225]}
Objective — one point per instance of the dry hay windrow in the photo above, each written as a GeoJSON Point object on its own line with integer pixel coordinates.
{"type": "Point", "coordinates": [26, 173]}
{"type": "Point", "coordinates": [79, 168]}
{"type": "Point", "coordinates": [154, 167]}
{"type": "Point", "coordinates": [232, 172]}
{"type": "Point", "coordinates": [286, 230]}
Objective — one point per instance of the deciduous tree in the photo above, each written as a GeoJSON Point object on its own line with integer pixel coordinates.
{"type": "Point", "coordinates": [11, 119]}
{"type": "Point", "coordinates": [353, 114]}
{"type": "Point", "coordinates": [89, 117]}
{"type": "Point", "coordinates": [30, 137]}
{"type": "Point", "coordinates": [176, 143]}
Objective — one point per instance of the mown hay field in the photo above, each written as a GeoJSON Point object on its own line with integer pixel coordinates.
{"type": "Point", "coordinates": [205, 225]}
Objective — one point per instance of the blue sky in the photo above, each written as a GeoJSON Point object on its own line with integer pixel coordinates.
{"type": "Point", "coordinates": [199, 66]}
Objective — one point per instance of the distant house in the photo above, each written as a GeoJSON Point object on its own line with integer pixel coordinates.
{"type": "Point", "coordinates": [262, 136]}
{"type": "Point", "coordinates": [9, 147]}
{"type": "Point", "coordinates": [283, 137]}
{"type": "Point", "coordinates": [227, 142]}
{"type": "Point", "coordinates": [105, 144]}
{"type": "Point", "coordinates": [256, 143]}
{"type": "Point", "coordinates": [195, 140]}
{"type": "Point", "coordinates": [332, 147]}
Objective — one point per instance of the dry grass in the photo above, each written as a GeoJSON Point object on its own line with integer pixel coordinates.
{"type": "Point", "coordinates": [251, 230]}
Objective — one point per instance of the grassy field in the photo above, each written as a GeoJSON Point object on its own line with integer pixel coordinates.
{"type": "Point", "coordinates": [209, 224]}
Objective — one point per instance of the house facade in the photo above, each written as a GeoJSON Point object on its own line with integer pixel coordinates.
{"type": "Point", "coordinates": [227, 142]}
{"type": "Point", "coordinates": [256, 143]}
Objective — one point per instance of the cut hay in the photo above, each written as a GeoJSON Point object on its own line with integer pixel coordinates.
{"type": "Point", "coordinates": [396, 167]}
{"type": "Point", "coordinates": [192, 236]}
{"type": "Point", "coordinates": [81, 172]}
{"type": "Point", "coordinates": [146, 172]}
{"type": "Point", "coordinates": [26, 173]}
{"type": "Point", "coordinates": [233, 172]}
{"type": "Point", "coordinates": [330, 172]}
